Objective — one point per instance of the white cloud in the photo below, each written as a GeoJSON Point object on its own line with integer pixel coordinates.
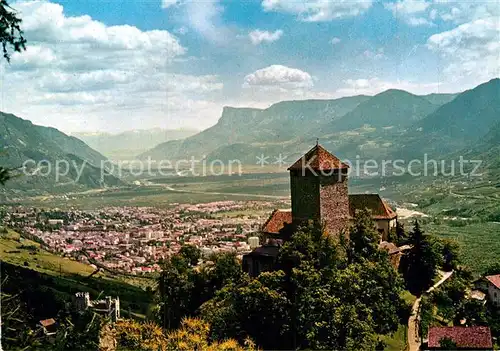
{"type": "Point", "coordinates": [280, 77]}
{"type": "Point", "coordinates": [375, 55]}
{"type": "Point", "coordinates": [258, 36]}
{"type": "Point", "coordinates": [410, 11]}
{"type": "Point", "coordinates": [471, 50]}
{"type": "Point", "coordinates": [426, 12]}
{"type": "Point", "coordinates": [419, 21]}
{"type": "Point", "coordinates": [433, 14]}
{"type": "Point", "coordinates": [318, 10]}
{"type": "Point", "coordinates": [335, 41]}
{"type": "Point", "coordinates": [78, 73]}
{"type": "Point", "coordinates": [204, 17]}
{"type": "Point", "coordinates": [466, 11]}
{"type": "Point", "coordinates": [46, 22]}
{"type": "Point", "coordinates": [169, 3]}
{"type": "Point", "coordinates": [407, 6]}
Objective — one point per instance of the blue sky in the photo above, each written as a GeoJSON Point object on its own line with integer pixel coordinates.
{"type": "Point", "coordinates": [118, 65]}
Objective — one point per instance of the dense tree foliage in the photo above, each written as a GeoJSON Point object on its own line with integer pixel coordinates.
{"type": "Point", "coordinates": [4, 175]}
{"type": "Point", "coordinates": [447, 344]}
{"type": "Point", "coordinates": [183, 288]}
{"type": "Point", "coordinates": [11, 35]}
{"type": "Point", "coordinates": [493, 269]}
{"type": "Point", "coordinates": [364, 239]}
{"type": "Point", "coordinates": [421, 263]}
{"type": "Point", "coordinates": [325, 295]}
{"type": "Point", "coordinates": [400, 235]}
{"type": "Point", "coordinates": [191, 253]}
{"type": "Point", "coordinates": [192, 334]}
{"type": "Point", "coordinates": [450, 251]}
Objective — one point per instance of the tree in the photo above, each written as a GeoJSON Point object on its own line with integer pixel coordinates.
{"type": "Point", "coordinates": [79, 332]}
{"type": "Point", "coordinates": [259, 309]}
{"type": "Point", "coordinates": [191, 253]}
{"type": "Point", "coordinates": [447, 344]}
{"type": "Point", "coordinates": [183, 288]}
{"type": "Point", "coordinates": [11, 38]}
{"type": "Point", "coordinates": [421, 262]}
{"type": "Point", "coordinates": [364, 239]}
{"type": "Point", "coordinates": [450, 250]}
{"type": "Point", "coordinates": [192, 334]}
{"type": "Point", "coordinates": [426, 316]}
{"type": "Point", "coordinates": [315, 299]}
{"type": "Point", "coordinates": [4, 175]}
{"type": "Point", "coordinates": [11, 35]}
{"type": "Point", "coordinates": [175, 285]}
{"type": "Point", "coordinates": [401, 236]}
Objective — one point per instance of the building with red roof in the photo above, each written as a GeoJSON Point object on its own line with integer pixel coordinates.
{"type": "Point", "coordinates": [494, 289]}
{"type": "Point", "coordinates": [319, 192]}
{"type": "Point", "coordinates": [465, 338]}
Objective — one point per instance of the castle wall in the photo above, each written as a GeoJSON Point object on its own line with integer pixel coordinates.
{"type": "Point", "coordinates": [304, 189]}
{"type": "Point", "coordinates": [334, 202]}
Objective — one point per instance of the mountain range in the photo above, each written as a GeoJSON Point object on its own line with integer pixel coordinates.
{"type": "Point", "coordinates": [394, 123]}
{"type": "Point", "coordinates": [127, 145]}
{"type": "Point", "coordinates": [37, 150]}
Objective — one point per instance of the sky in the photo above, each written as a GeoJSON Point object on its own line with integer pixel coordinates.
{"type": "Point", "coordinates": [111, 66]}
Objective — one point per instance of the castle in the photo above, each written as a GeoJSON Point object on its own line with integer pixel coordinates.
{"type": "Point", "coordinates": [108, 307]}
{"type": "Point", "coordinates": [319, 192]}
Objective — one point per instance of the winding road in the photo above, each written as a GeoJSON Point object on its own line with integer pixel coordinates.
{"type": "Point", "coordinates": [229, 194]}
{"type": "Point", "coordinates": [413, 321]}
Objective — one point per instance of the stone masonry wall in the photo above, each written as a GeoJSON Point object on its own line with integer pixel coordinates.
{"type": "Point", "coordinates": [334, 202]}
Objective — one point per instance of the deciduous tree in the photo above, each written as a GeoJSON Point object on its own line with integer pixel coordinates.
{"type": "Point", "coordinates": [11, 39]}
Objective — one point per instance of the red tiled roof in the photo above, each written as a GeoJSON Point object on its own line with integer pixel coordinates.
{"type": "Point", "coordinates": [463, 337]}
{"type": "Point", "coordinates": [494, 279]}
{"type": "Point", "coordinates": [373, 202]}
{"type": "Point", "coordinates": [277, 221]}
{"type": "Point", "coordinates": [318, 159]}
{"type": "Point", "coordinates": [47, 322]}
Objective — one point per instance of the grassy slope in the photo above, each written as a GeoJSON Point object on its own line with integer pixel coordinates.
{"type": "Point", "coordinates": [65, 277]}
{"type": "Point", "coordinates": [41, 261]}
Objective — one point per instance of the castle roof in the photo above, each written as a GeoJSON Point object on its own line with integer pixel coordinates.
{"type": "Point", "coordinates": [318, 159]}
{"type": "Point", "coordinates": [373, 202]}
{"type": "Point", "coordinates": [277, 221]}
{"type": "Point", "coordinates": [463, 337]}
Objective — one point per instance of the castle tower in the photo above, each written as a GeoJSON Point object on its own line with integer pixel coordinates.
{"type": "Point", "coordinates": [82, 301]}
{"type": "Point", "coordinates": [318, 186]}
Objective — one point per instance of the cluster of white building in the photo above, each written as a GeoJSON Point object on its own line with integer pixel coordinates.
{"type": "Point", "coordinates": [137, 239]}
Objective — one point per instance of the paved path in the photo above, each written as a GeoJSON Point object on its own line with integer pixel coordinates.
{"type": "Point", "coordinates": [413, 337]}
